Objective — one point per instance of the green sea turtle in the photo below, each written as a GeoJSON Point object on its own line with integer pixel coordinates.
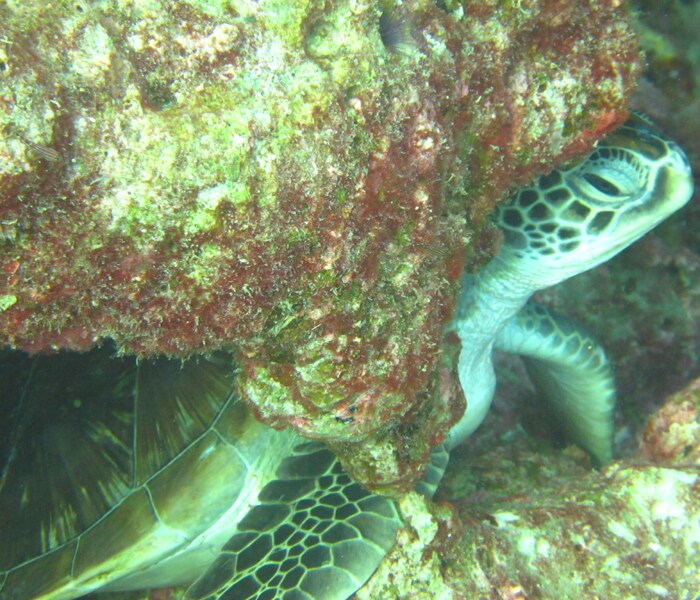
{"type": "Point", "coordinates": [569, 221]}
{"type": "Point", "coordinates": [123, 475]}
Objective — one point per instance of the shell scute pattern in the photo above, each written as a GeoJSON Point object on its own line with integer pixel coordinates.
{"type": "Point", "coordinates": [334, 522]}
{"type": "Point", "coordinates": [187, 472]}
{"type": "Point", "coordinates": [118, 466]}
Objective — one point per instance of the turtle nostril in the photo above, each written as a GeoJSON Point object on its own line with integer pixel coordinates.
{"type": "Point", "coordinates": [678, 158]}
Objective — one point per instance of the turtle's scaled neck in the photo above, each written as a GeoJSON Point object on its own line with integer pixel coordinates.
{"type": "Point", "coordinates": [487, 302]}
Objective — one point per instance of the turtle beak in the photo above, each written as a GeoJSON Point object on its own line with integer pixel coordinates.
{"type": "Point", "coordinates": [675, 180]}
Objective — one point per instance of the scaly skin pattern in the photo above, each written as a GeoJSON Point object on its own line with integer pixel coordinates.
{"type": "Point", "coordinates": [296, 181]}
{"type": "Point", "coordinates": [532, 522]}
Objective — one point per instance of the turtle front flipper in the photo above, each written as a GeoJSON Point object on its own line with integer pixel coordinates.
{"type": "Point", "coordinates": [571, 370]}
{"type": "Point", "coordinates": [315, 535]}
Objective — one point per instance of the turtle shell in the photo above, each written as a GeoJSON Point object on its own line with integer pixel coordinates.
{"type": "Point", "coordinates": [122, 474]}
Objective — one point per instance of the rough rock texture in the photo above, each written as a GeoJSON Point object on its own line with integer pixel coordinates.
{"type": "Point", "coordinates": [531, 522]}
{"type": "Point", "coordinates": [670, 89]}
{"type": "Point", "coordinates": [672, 434]}
{"type": "Point", "coordinates": [294, 181]}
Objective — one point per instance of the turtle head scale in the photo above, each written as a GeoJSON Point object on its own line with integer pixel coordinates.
{"type": "Point", "coordinates": [576, 218]}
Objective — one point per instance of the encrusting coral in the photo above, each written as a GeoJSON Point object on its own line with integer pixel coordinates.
{"type": "Point", "coordinates": [302, 183]}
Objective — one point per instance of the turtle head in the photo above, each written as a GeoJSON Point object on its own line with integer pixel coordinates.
{"type": "Point", "coordinates": [576, 218]}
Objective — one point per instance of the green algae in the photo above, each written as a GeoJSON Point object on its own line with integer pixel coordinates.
{"type": "Point", "coordinates": [6, 301]}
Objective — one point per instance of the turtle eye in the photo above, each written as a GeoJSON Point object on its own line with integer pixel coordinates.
{"type": "Point", "coordinates": [603, 184]}
{"type": "Point", "coordinates": [612, 174]}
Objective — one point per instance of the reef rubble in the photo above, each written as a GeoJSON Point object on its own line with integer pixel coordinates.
{"type": "Point", "coordinates": [528, 521]}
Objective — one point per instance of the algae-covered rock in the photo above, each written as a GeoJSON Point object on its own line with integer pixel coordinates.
{"type": "Point", "coordinates": [299, 182]}
{"type": "Point", "coordinates": [534, 522]}
{"type": "Point", "coordinates": [634, 532]}
{"type": "Point", "coordinates": [672, 434]}
{"type": "Point", "coordinates": [669, 33]}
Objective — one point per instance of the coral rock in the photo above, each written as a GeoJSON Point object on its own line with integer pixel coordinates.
{"type": "Point", "coordinates": [672, 434]}
{"type": "Point", "coordinates": [295, 181]}
{"type": "Point", "coordinates": [535, 523]}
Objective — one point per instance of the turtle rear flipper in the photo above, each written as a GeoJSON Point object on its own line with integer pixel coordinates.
{"type": "Point", "coordinates": [437, 465]}
{"type": "Point", "coordinates": [314, 535]}
{"type": "Point", "coordinates": [571, 370]}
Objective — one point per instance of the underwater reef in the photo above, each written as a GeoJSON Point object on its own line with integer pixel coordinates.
{"type": "Point", "coordinates": [518, 519]}
{"type": "Point", "coordinates": [299, 182]}
{"type": "Point", "coordinates": [302, 183]}
{"type": "Point", "coordinates": [526, 521]}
